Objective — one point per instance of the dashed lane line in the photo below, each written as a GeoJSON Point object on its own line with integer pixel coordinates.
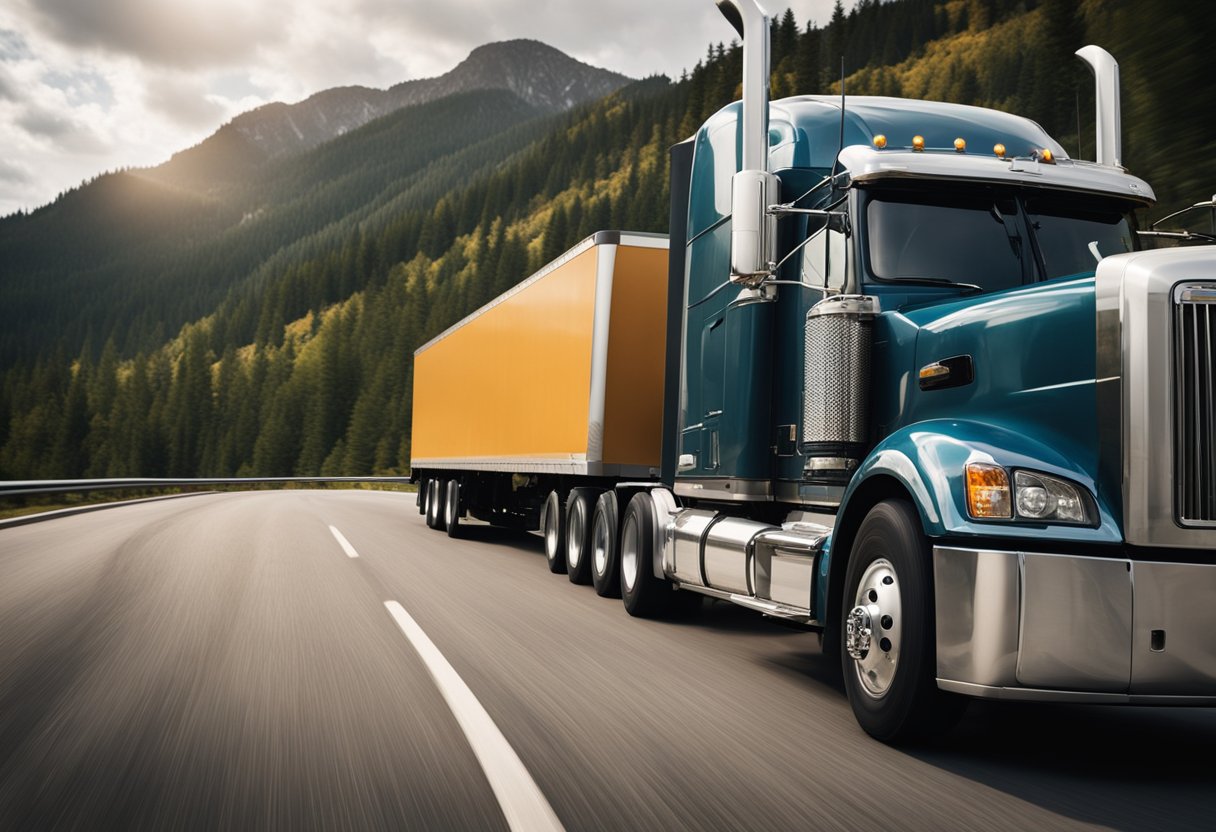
{"type": "Point", "coordinates": [344, 543]}
{"type": "Point", "coordinates": [522, 803]}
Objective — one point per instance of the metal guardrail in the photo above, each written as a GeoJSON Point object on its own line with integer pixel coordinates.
{"type": "Point", "coordinates": [18, 488]}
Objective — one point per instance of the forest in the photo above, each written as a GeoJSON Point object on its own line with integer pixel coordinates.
{"type": "Point", "coordinates": [266, 326]}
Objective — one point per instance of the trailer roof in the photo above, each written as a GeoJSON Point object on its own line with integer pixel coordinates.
{"type": "Point", "coordinates": [644, 239]}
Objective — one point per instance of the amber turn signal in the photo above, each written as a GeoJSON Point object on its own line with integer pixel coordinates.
{"type": "Point", "coordinates": [918, 142]}
{"type": "Point", "coordinates": [880, 141]}
{"type": "Point", "coordinates": [988, 492]}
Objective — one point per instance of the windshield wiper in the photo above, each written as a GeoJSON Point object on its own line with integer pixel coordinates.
{"type": "Point", "coordinates": [940, 281]}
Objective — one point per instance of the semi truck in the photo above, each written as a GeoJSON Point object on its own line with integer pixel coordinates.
{"type": "Point", "coordinates": [906, 378]}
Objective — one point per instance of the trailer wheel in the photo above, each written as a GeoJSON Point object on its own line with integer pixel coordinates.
{"type": "Point", "coordinates": [555, 534]}
{"type": "Point", "coordinates": [434, 505]}
{"type": "Point", "coordinates": [605, 547]}
{"type": "Point", "coordinates": [645, 596]}
{"type": "Point", "coordinates": [887, 635]}
{"type": "Point", "coordinates": [578, 535]}
{"type": "Point", "coordinates": [424, 486]}
{"type": "Point", "coordinates": [451, 508]}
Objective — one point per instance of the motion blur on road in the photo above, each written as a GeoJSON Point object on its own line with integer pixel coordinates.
{"type": "Point", "coordinates": [221, 661]}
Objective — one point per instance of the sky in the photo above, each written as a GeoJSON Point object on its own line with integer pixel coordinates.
{"type": "Point", "coordinates": [88, 86]}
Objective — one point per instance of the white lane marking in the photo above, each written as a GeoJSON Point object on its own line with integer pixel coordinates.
{"type": "Point", "coordinates": [344, 543]}
{"type": "Point", "coordinates": [521, 800]}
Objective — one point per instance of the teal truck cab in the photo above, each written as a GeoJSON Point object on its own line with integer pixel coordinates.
{"type": "Point", "coordinates": [929, 397]}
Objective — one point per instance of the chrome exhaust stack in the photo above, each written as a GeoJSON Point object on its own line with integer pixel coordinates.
{"type": "Point", "coordinates": [1108, 120]}
{"type": "Point", "coordinates": [753, 230]}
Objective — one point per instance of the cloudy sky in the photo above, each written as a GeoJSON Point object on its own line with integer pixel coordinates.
{"type": "Point", "coordinates": [93, 85]}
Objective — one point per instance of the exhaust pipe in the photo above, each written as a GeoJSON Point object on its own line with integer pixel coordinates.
{"type": "Point", "coordinates": [1108, 121]}
{"type": "Point", "coordinates": [754, 188]}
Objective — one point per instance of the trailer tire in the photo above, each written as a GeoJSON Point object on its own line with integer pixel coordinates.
{"type": "Point", "coordinates": [889, 664]}
{"type": "Point", "coordinates": [424, 485]}
{"type": "Point", "coordinates": [578, 535]}
{"type": "Point", "coordinates": [606, 547]}
{"type": "Point", "coordinates": [434, 505]}
{"type": "Point", "coordinates": [555, 534]}
{"type": "Point", "coordinates": [451, 508]}
{"type": "Point", "coordinates": [644, 595]}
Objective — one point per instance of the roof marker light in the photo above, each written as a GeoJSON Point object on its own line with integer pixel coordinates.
{"type": "Point", "coordinates": [960, 145]}
{"type": "Point", "coordinates": [999, 150]}
{"type": "Point", "coordinates": [918, 142]}
{"type": "Point", "coordinates": [880, 141]}
{"type": "Point", "coordinates": [1047, 156]}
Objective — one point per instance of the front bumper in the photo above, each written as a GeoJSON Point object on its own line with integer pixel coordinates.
{"type": "Point", "coordinates": [1048, 627]}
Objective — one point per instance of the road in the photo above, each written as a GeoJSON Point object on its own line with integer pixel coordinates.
{"type": "Point", "coordinates": [224, 662]}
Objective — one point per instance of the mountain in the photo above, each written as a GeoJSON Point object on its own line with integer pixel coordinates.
{"type": "Point", "coordinates": [141, 252]}
{"type": "Point", "coordinates": [541, 76]}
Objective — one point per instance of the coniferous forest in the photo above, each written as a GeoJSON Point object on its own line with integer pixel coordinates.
{"type": "Point", "coordinates": [262, 323]}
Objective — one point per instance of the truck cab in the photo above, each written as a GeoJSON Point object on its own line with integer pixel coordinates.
{"type": "Point", "coordinates": [936, 403]}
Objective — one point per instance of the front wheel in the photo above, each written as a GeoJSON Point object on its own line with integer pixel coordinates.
{"type": "Point", "coordinates": [887, 636]}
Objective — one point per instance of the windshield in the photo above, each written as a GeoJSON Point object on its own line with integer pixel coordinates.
{"type": "Point", "coordinates": [990, 238]}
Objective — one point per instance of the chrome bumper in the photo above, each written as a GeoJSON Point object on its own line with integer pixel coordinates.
{"type": "Point", "coordinates": [1022, 625]}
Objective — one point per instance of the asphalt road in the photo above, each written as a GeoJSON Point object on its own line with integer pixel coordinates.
{"type": "Point", "coordinates": [223, 662]}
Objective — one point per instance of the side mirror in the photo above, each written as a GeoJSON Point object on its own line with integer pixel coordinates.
{"type": "Point", "coordinates": [753, 236]}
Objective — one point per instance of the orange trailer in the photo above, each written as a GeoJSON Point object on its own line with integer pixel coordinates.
{"type": "Point", "coordinates": [550, 396]}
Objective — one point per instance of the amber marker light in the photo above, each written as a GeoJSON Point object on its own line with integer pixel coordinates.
{"type": "Point", "coordinates": [988, 492]}
{"type": "Point", "coordinates": [999, 150]}
{"type": "Point", "coordinates": [918, 142]}
{"type": "Point", "coordinates": [960, 145]}
{"type": "Point", "coordinates": [1047, 156]}
{"type": "Point", "coordinates": [880, 141]}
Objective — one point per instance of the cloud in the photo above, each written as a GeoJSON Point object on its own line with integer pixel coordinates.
{"type": "Point", "coordinates": [162, 32]}
{"type": "Point", "coordinates": [12, 46]}
{"type": "Point", "coordinates": [15, 173]}
{"type": "Point", "coordinates": [185, 101]}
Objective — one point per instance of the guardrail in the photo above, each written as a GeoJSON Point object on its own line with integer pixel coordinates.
{"type": "Point", "coordinates": [18, 488]}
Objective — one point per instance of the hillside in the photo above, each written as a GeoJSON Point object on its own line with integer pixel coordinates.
{"type": "Point", "coordinates": [302, 363]}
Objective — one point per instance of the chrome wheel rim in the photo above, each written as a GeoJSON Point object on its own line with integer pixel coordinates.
{"type": "Point", "coordinates": [599, 545]}
{"type": "Point", "coordinates": [629, 553]}
{"type": "Point", "coordinates": [574, 534]}
{"type": "Point", "coordinates": [873, 628]}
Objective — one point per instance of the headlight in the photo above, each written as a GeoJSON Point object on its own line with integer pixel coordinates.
{"type": "Point", "coordinates": [1040, 497]}
{"type": "Point", "coordinates": [1035, 496]}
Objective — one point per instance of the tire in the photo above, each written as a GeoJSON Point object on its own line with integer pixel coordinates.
{"type": "Point", "coordinates": [424, 485]}
{"type": "Point", "coordinates": [578, 534]}
{"type": "Point", "coordinates": [605, 547]}
{"type": "Point", "coordinates": [451, 508]}
{"type": "Point", "coordinates": [434, 505]}
{"type": "Point", "coordinates": [644, 595]}
{"type": "Point", "coordinates": [889, 666]}
{"type": "Point", "coordinates": [555, 534]}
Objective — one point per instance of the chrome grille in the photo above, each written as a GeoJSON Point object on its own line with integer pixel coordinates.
{"type": "Point", "coordinates": [1194, 397]}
